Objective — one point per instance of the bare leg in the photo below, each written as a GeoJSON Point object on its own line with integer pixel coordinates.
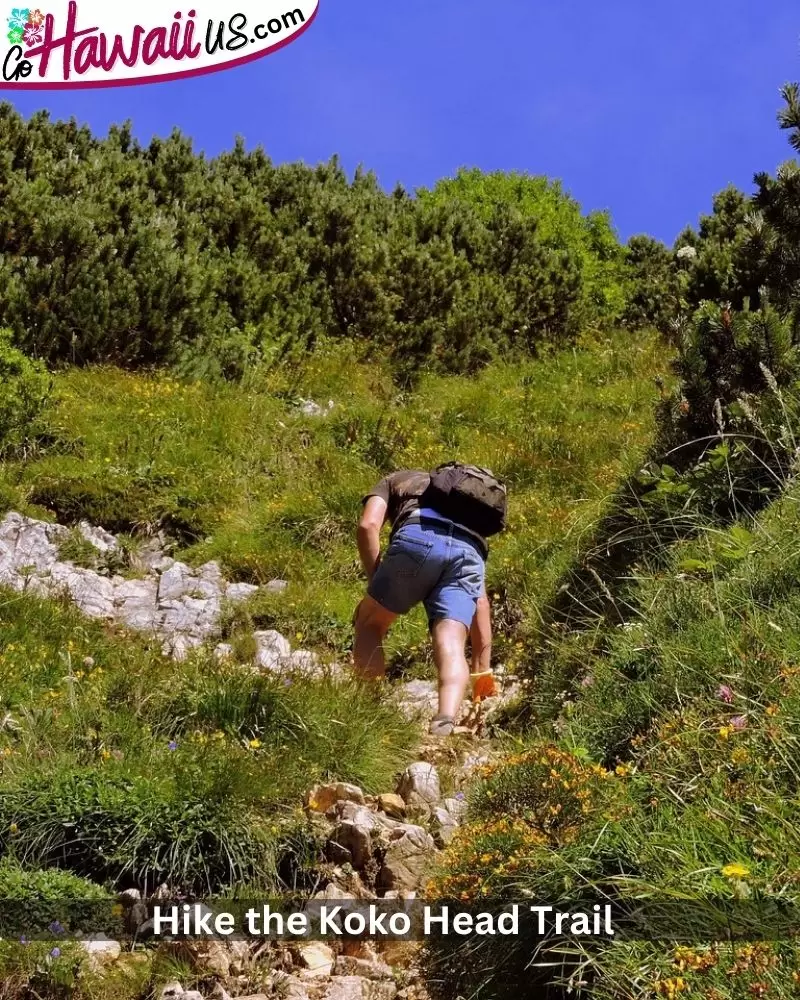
{"type": "Point", "coordinates": [449, 641]}
{"type": "Point", "coordinates": [372, 622]}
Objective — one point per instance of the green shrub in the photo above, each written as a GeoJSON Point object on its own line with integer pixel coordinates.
{"type": "Point", "coordinates": [24, 393]}
{"type": "Point", "coordinates": [156, 255]}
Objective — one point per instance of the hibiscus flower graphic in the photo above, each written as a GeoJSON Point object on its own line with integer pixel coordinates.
{"type": "Point", "coordinates": [34, 35]}
{"type": "Point", "coordinates": [36, 18]}
{"type": "Point", "coordinates": [19, 18]}
{"type": "Point", "coordinates": [16, 35]}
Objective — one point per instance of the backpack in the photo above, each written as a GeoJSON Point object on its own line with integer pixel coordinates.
{"type": "Point", "coordinates": [470, 496]}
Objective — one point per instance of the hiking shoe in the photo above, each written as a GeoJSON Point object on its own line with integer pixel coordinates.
{"type": "Point", "coordinates": [443, 725]}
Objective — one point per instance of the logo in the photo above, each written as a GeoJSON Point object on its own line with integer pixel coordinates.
{"type": "Point", "coordinates": [91, 43]}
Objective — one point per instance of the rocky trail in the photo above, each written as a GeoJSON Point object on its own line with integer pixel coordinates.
{"type": "Point", "coordinates": [376, 847]}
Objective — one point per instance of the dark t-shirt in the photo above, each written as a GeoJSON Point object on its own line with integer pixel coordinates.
{"type": "Point", "coordinates": [402, 491]}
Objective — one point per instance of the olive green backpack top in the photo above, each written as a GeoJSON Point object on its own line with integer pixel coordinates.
{"type": "Point", "coordinates": [469, 495]}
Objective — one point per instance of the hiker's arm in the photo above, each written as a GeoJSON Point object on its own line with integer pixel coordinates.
{"type": "Point", "coordinates": [481, 636]}
{"type": "Point", "coordinates": [369, 534]}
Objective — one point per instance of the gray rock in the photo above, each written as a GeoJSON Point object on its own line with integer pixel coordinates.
{"type": "Point", "coordinates": [304, 662]}
{"type": "Point", "coordinates": [92, 593]}
{"type": "Point", "coordinates": [444, 827]}
{"type": "Point", "coordinates": [102, 540]}
{"type": "Point", "coordinates": [223, 652]}
{"type": "Point", "coordinates": [272, 651]}
{"type": "Point", "coordinates": [172, 990]}
{"type": "Point", "coordinates": [363, 968]}
{"type": "Point", "coordinates": [407, 858]}
{"type": "Point", "coordinates": [420, 788]}
{"type": "Point", "coordinates": [32, 544]}
{"type": "Point", "coordinates": [311, 409]}
{"type": "Point", "coordinates": [457, 808]}
{"type": "Point", "coordinates": [136, 606]}
{"type": "Point", "coordinates": [289, 987]}
{"type": "Point", "coordinates": [239, 592]}
{"type": "Point", "coordinates": [101, 951]}
{"type": "Point", "coordinates": [175, 583]}
{"type": "Point", "coordinates": [357, 988]}
{"type": "Point", "coordinates": [277, 587]}
{"type": "Point", "coordinates": [355, 840]}
{"type": "Point", "coordinates": [317, 958]}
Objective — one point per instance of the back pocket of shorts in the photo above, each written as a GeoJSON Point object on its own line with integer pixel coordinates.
{"type": "Point", "coordinates": [407, 555]}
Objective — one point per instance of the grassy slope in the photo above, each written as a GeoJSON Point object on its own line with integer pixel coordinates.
{"type": "Point", "coordinates": [268, 492]}
{"type": "Point", "coordinates": [697, 707]}
{"type": "Point", "coordinates": [194, 773]}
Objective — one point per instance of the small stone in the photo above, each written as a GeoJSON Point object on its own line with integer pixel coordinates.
{"type": "Point", "coordinates": [172, 990]}
{"type": "Point", "coordinates": [318, 959]}
{"type": "Point", "coordinates": [272, 651]}
{"type": "Point", "coordinates": [237, 593]}
{"type": "Point", "coordinates": [364, 968]}
{"type": "Point", "coordinates": [223, 652]}
{"type": "Point", "coordinates": [322, 798]}
{"type": "Point", "coordinates": [457, 809]}
{"type": "Point", "coordinates": [277, 587]}
{"type": "Point", "coordinates": [355, 840]}
{"type": "Point", "coordinates": [407, 858]}
{"type": "Point", "coordinates": [419, 787]}
{"type": "Point", "coordinates": [101, 951]}
{"type": "Point", "coordinates": [392, 805]}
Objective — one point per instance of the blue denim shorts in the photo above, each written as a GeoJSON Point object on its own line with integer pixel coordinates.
{"type": "Point", "coordinates": [430, 561]}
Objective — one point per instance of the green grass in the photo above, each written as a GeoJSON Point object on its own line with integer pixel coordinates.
{"type": "Point", "coordinates": [193, 774]}
{"type": "Point", "coordinates": [675, 777]}
{"type": "Point", "coordinates": [120, 766]}
{"type": "Point", "coordinates": [240, 476]}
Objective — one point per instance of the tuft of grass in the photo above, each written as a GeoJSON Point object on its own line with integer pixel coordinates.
{"type": "Point", "coordinates": [118, 765]}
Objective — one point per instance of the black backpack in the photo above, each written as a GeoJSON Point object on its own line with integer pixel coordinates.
{"type": "Point", "coordinates": [470, 496]}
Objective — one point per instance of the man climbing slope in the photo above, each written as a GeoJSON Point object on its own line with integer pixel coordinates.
{"type": "Point", "coordinates": [436, 556]}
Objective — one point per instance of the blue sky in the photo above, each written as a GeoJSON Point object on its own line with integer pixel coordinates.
{"type": "Point", "coordinates": [643, 109]}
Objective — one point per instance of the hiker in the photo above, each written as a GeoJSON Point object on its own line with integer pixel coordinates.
{"type": "Point", "coordinates": [436, 556]}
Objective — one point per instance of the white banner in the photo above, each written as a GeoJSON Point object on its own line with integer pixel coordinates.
{"type": "Point", "coordinates": [92, 43]}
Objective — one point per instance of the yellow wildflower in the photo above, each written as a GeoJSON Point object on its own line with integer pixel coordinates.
{"type": "Point", "coordinates": [735, 870]}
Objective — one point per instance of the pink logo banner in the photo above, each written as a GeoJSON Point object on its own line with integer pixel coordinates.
{"type": "Point", "coordinates": [91, 43]}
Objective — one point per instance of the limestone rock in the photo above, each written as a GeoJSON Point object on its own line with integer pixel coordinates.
{"type": "Point", "coordinates": [407, 858]}
{"type": "Point", "coordinates": [392, 805]}
{"type": "Point", "coordinates": [290, 987]}
{"type": "Point", "coordinates": [102, 540]}
{"type": "Point", "coordinates": [444, 827]}
{"type": "Point", "coordinates": [272, 651]}
{"type": "Point", "coordinates": [92, 593]}
{"type": "Point", "coordinates": [304, 662]}
{"type": "Point", "coordinates": [317, 958]}
{"type": "Point", "coordinates": [457, 809]}
{"type": "Point", "coordinates": [357, 988]}
{"type": "Point", "coordinates": [101, 952]}
{"type": "Point", "coordinates": [355, 840]}
{"type": "Point", "coordinates": [136, 605]}
{"type": "Point", "coordinates": [363, 968]}
{"type": "Point", "coordinates": [419, 787]}
{"type": "Point", "coordinates": [322, 798]}
{"type": "Point", "coordinates": [240, 592]}
{"type": "Point", "coordinates": [175, 583]}
{"type": "Point", "coordinates": [277, 587]}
